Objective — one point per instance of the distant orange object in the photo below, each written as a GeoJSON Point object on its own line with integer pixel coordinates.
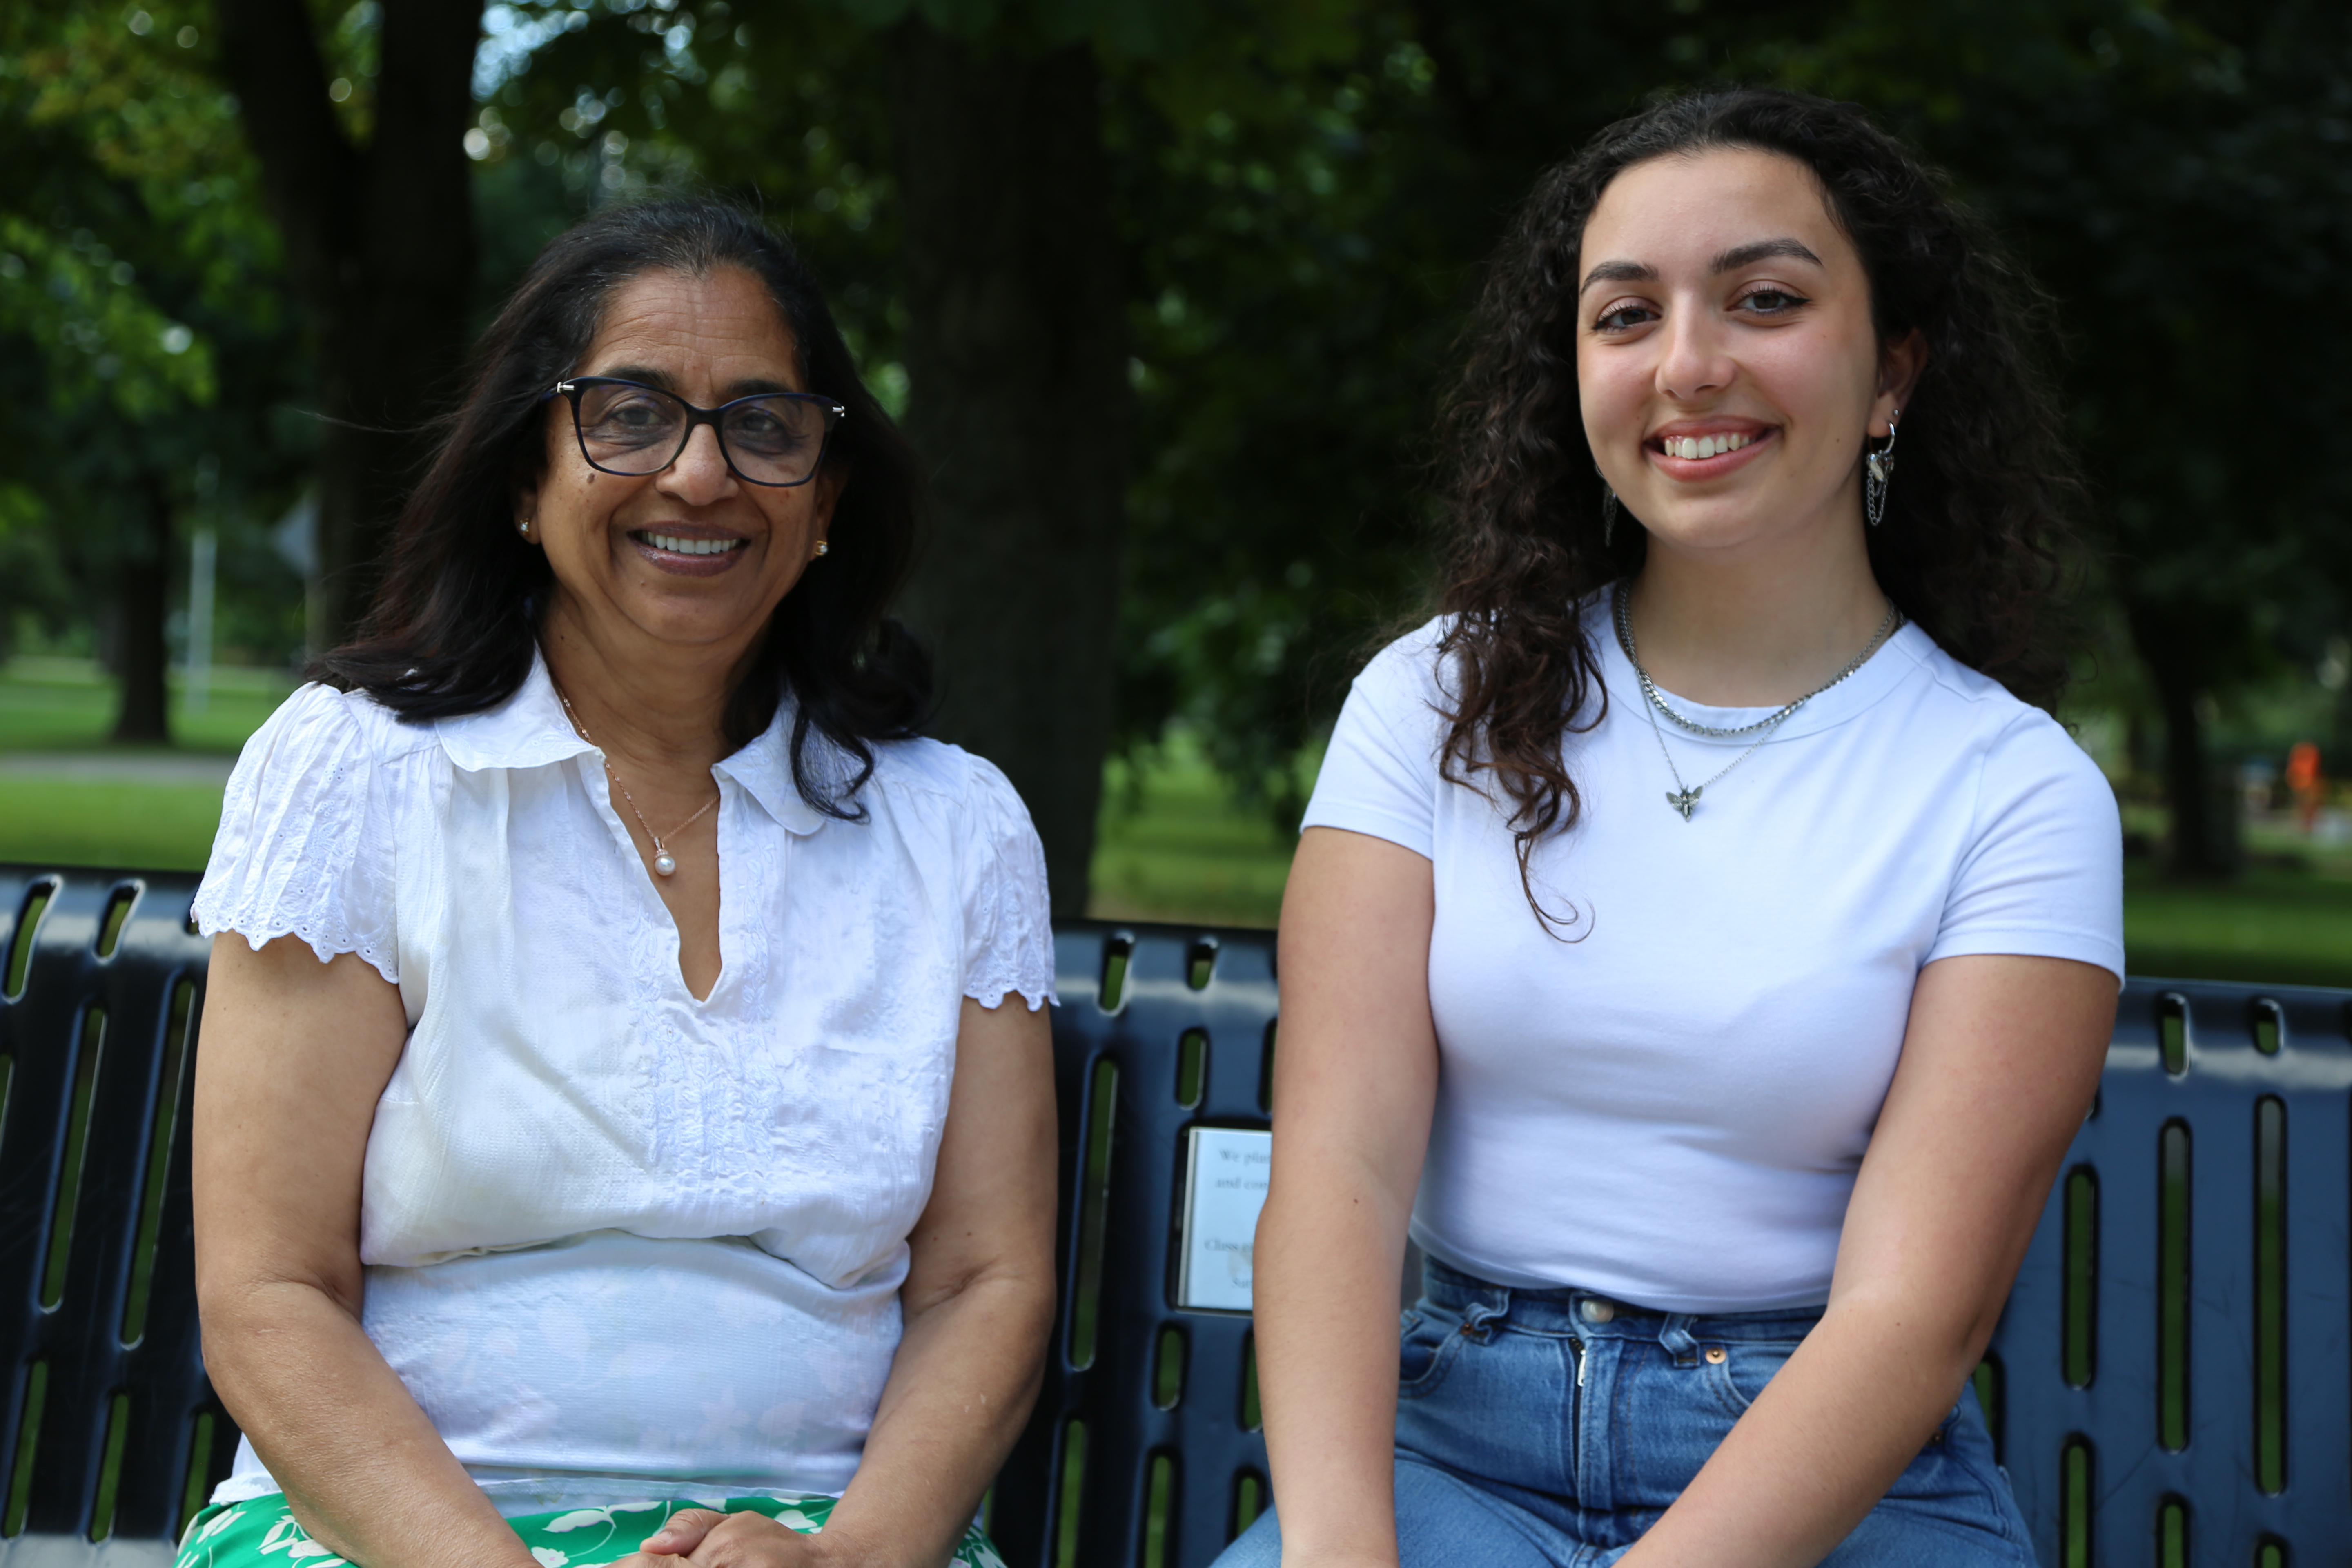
{"type": "Point", "coordinates": [2304, 781]}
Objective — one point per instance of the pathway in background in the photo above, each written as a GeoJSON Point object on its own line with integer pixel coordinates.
{"type": "Point", "coordinates": [121, 767]}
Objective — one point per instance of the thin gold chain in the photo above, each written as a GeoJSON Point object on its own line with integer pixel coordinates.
{"type": "Point", "coordinates": [573, 714]}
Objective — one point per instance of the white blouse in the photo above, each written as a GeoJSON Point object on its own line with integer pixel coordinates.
{"type": "Point", "coordinates": [616, 1237]}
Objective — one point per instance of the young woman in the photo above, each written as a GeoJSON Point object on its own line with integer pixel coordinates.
{"type": "Point", "coordinates": [1696, 935]}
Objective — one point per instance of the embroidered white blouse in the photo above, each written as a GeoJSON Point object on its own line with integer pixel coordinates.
{"type": "Point", "coordinates": [616, 1237]}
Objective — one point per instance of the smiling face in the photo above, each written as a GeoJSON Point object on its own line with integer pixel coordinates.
{"type": "Point", "coordinates": [693, 555]}
{"type": "Point", "coordinates": [1727, 363]}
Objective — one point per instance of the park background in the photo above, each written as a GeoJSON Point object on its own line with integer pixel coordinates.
{"type": "Point", "coordinates": [1166, 291]}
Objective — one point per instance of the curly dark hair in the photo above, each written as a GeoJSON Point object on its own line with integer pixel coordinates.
{"type": "Point", "coordinates": [454, 627]}
{"type": "Point", "coordinates": [1977, 542]}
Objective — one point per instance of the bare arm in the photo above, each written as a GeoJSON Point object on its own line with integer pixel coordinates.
{"type": "Point", "coordinates": [295, 1054]}
{"type": "Point", "coordinates": [979, 1305]}
{"type": "Point", "coordinates": [1998, 1066]}
{"type": "Point", "coordinates": [1355, 1086]}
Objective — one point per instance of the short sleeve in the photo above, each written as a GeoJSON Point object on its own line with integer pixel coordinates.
{"type": "Point", "coordinates": [1008, 919]}
{"type": "Point", "coordinates": [2043, 873]}
{"type": "Point", "coordinates": [1380, 774]}
{"type": "Point", "coordinates": [305, 848]}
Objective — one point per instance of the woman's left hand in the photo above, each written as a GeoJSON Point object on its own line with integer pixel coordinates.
{"type": "Point", "coordinates": [709, 1539]}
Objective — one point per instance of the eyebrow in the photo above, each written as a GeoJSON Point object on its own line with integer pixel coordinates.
{"type": "Point", "coordinates": [1741, 256]}
{"type": "Point", "coordinates": [754, 386]}
{"type": "Point", "coordinates": [1731, 260]}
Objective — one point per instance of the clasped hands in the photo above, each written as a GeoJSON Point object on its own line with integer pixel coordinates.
{"type": "Point", "coordinates": [706, 1537]}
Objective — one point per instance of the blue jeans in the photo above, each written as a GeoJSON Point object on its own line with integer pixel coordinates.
{"type": "Point", "coordinates": [1550, 1428]}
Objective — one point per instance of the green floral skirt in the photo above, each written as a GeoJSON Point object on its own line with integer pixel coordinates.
{"type": "Point", "coordinates": [249, 1534]}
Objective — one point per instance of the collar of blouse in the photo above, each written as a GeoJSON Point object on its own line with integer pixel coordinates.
{"type": "Point", "coordinates": [528, 730]}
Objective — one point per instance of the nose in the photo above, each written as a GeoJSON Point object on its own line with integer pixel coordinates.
{"type": "Point", "coordinates": [700, 474]}
{"type": "Point", "coordinates": [1693, 355]}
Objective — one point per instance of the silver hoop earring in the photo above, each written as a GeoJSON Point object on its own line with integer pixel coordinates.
{"type": "Point", "coordinates": [1878, 472]}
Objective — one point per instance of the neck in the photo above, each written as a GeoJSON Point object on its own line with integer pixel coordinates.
{"type": "Point", "coordinates": [653, 707]}
{"type": "Point", "coordinates": [1760, 630]}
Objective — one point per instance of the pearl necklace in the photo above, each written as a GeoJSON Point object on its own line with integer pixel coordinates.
{"type": "Point", "coordinates": [665, 863]}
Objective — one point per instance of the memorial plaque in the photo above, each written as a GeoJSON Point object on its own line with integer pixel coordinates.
{"type": "Point", "coordinates": [1224, 1186]}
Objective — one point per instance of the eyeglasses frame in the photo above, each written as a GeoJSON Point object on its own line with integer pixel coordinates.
{"type": "Point", "coordinates": [571, 387]}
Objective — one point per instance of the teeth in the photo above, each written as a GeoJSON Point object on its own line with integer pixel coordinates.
{"type": "Point", "coordinates": [1703, 446]}
{"type": "Point", "coordinates": [679, 546]}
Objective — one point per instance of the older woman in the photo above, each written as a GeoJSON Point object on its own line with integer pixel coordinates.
{"type": "Point", "coordinates": [609, 1102]}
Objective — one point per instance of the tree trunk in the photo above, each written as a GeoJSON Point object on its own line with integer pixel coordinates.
{"type": "Point", "coordinates": [379, 245]}
{"type": "Point", "coordinates": [143, 589]}
{"type": "Point", "coordinates": [2168, 646]}
{"type": "Point", "coordinates": [1017, 353]}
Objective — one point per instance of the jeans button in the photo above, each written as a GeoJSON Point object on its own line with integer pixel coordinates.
{"type": "Point", "coordinates": [1596, 1311]}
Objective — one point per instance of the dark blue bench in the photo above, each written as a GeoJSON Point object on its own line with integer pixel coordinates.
{"type": "Point", "coordinates": [2171, 1384]}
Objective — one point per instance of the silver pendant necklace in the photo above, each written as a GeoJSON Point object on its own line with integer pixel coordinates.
{"type": "Point", "coordinates": [665, 863]}
{"type": "Point", "coordinates": [1683, 797]}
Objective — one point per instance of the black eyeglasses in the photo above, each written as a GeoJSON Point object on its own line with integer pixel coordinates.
{"type": "Point", "coordinates": [628, 429]}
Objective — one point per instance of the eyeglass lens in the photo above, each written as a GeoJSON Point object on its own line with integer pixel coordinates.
{"type": "Point", "coordinates": [641, 430]}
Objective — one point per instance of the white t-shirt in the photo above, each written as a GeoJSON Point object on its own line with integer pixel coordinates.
{"type": "Point", "coordinates": [1671, 1107]}
{"type": "Point", "coordinates": [618, 1239]}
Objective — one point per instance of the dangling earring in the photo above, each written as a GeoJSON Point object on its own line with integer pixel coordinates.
{"type": "Point", "coordinates": [1608, 511]}
{"type": "Point", "coordinates": [1878, 469]}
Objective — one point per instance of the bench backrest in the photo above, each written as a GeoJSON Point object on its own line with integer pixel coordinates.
{"type": "Point", "coordinates": [2176, 1356]}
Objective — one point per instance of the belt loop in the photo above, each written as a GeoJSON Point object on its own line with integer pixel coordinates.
{"type": "Point", "coordinates": [1477, 1320]}
{"type": "Point", "coordinates": [1678, 1339]}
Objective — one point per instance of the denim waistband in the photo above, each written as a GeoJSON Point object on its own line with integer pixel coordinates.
{"type": "Point", "coordinates": [1587, 1314]}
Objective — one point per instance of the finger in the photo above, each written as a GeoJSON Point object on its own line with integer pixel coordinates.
{"type": "Point", "coordinates": [682, 1531]}
{"type": "Point", "coordinates": [749, 1540]}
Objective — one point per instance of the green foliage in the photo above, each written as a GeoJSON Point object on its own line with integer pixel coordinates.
{"type": "Point", "coordinates": [147, 349]}
{"type": "Point", "coordinates": [2180, 176]}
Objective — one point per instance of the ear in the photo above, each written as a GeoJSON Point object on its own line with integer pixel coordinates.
{"type": "Point", "coordinates": [523, 494]}
{"type": "Point", "coordinates": [828, 484]}
{"type": "Point", "coordinates": [1900, 364]}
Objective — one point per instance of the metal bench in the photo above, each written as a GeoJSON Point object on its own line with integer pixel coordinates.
{"type": "Point", "coordinates": [2172, 1382]}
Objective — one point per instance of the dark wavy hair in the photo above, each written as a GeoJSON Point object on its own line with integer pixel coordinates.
{"type": "Point", "coordinates": [1978, 538]}
{"type": "Point", "coordinates": [455, 623]}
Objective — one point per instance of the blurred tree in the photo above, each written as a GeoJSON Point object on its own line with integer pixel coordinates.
{"type": "Point", "coordinates": [2180, 176]}
{"type": "Point", "coordinates": [1237, 240]}
{"type": "Point", "coordinates": [135, 283]}
{"type": "Point", "coordinates": [363, 168]}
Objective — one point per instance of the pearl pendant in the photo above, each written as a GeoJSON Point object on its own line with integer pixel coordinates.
{"type": "Point", "coordinates": [666, 863]}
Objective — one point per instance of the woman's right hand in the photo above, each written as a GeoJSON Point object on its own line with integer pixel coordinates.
{"type": "Point", "coordinates": [295, 1054]}
{"type": "Point", "coordinates": [1355, 1083]}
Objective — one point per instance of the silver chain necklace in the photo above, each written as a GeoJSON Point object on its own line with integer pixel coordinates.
{"type": "Point", "coordinates": [1684, 797]}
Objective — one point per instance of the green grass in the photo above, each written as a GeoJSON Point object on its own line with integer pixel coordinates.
{"type": "Point", "coordinates": [2290, 927]}
{"type": "Point", "coordinates": [79, 822]}
{"type": "Point", "coordinates": [1173, 845]}
{"type": "Point", "coordinates": [67, 705]}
